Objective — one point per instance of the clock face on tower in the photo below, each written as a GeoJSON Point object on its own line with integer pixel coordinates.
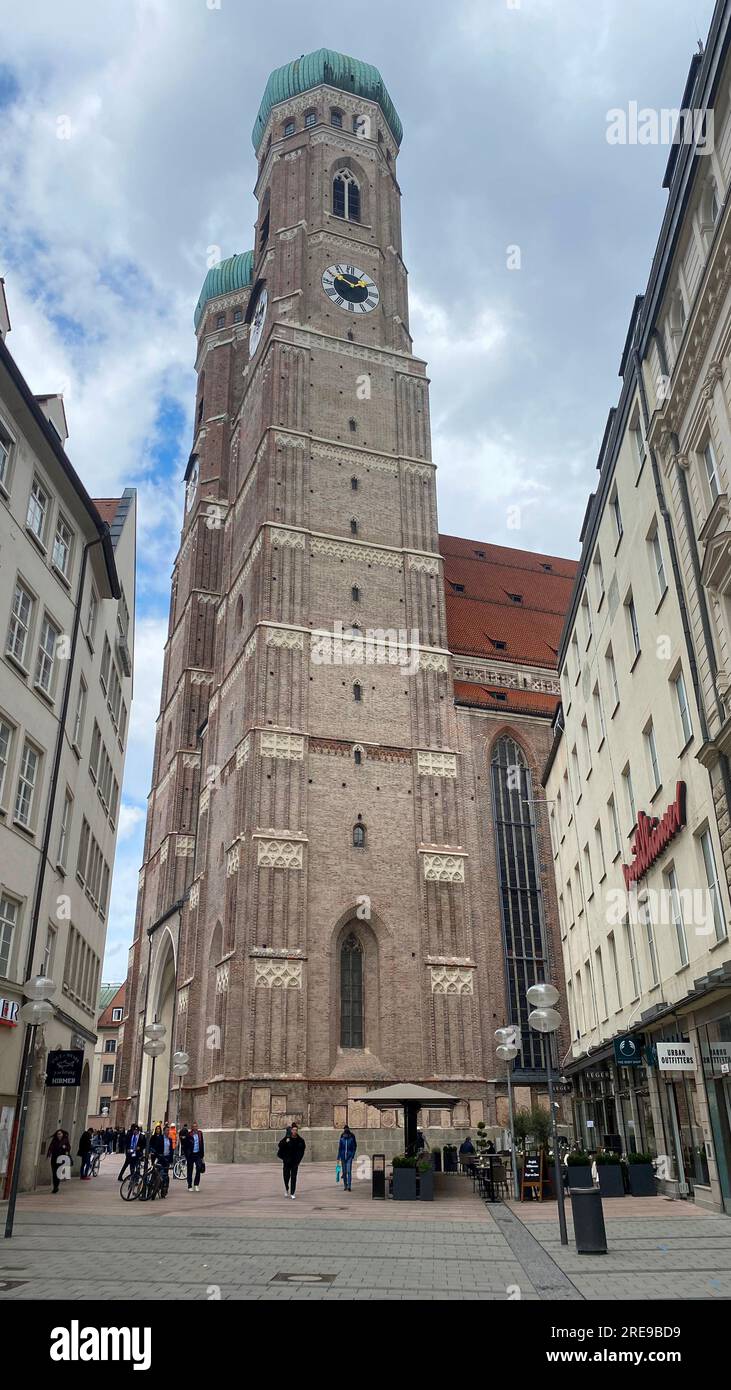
{"type": "Point", "coordinates": [257, 323]}
{"type": "Point", "coordinates": [350, 288]}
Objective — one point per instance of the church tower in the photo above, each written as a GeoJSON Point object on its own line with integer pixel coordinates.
{"type": "Point", "coordinates": [306, 890]}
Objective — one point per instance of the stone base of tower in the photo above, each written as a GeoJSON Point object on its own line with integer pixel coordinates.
{"type": "Point", "coordinates": [260, 1146]}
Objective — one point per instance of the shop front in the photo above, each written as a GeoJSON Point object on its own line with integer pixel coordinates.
{"type": "Point", "coordinates": [714, 1042]}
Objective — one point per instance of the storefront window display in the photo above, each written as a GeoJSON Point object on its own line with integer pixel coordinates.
{"type": "Point", "coordinates": [715, 1047]}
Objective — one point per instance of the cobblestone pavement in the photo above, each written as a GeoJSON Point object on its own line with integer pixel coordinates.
{"type": "Point", "coordinates": [240, 1238]}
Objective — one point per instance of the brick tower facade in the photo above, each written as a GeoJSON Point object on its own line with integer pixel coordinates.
{"type": "Point", "coordinates": [310, 923]}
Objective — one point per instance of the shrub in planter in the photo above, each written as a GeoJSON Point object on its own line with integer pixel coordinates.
{"type": "Point", "coordinates": [425, 1180]}
{"type": "Point", "coordinates": [579, 1169]}
{"type": "Point", "coordinates": [404, 1178]}
{"type": "Point", "coordinates": [611, 1177]}
{"type": "Point", "coordinates": [641, 1175]}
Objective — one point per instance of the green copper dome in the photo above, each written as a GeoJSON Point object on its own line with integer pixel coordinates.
{"type": "Point", "coordinates": [232, 274]}
{"type": "Point", "coordinates": [325, 67]}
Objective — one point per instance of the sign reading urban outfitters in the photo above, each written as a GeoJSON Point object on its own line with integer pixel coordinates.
{"type": "Point", "coordinates": [653, 836]}
{"type": "Point", "coordinates": [63, 1068]}
{"type": "Point", "coordinates": [676, 1056]}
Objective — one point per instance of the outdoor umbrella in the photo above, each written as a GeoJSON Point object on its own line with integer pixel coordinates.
{"type": "Point", "coordinates": [413, 1099]}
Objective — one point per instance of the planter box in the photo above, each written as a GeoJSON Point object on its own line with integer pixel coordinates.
{"type": "Point", "coordinates": [641, 1180]}
{"type": "Point", "coordinates": [611, 1180]}
{"type": "Point", "coordinates": [579, 1175]}
{"type": "Point", "coordinates": [404, 1184]}
{"type": "Point", "coordinates": [426, 1185]}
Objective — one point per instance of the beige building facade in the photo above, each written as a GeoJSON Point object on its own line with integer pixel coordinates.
{"type": "Point", "coordinates": [638, 781]}
{"type": "Point", "coordinates": [107, 1053]}
{"type": "Point", "coordinates": [67, 593]}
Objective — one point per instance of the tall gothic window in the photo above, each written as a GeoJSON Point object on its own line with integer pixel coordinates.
{"type": "Point", "coordinates": [521, 905]}
{"type": "Point", "coordinates": [351, 992]}
{"type": "Point", "coordinates": [346, 196]}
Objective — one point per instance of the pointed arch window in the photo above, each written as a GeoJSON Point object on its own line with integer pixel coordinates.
{"type": "Point", "coordinates": [346, 196]}
{"type": "Point", "coordinates": [359, 835]}
{"type": "Point", "coordinates": [351, 992]}
{"type": "Point", "coordinates": [520, 890]}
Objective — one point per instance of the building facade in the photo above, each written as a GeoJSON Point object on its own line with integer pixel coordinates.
{"type": "Point", "coordinates": [638, 781]}
{"type": "Point", "coordinates": [107, 1053]}
{"type": "Point", "coordinates": [67, 590]}
{"type": "Point", "coordinates": [341, 886]}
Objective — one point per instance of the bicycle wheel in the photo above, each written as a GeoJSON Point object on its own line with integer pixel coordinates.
{"type": "Point", "coordinates": [131, 1188]}
{"type": "Point", "coordinates": [179, 1168]}
{"type": "Point", "coordinates": [96, 1165]}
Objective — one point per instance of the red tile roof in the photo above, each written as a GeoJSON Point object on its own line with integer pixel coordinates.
{"type": "Point", "coordinates": [481, 611]}
{"type": "Point", "coordinates": [117, 1002]}
{"type": "Point", "coordinates": [497, 595]}
{"type": "Point", "coordinates": [503, 700]}
{"type": "Point", "coordinates": [107, 507]}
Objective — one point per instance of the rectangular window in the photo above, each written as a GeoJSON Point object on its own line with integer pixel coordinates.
{"type": "Point", "coordinates": [110, 1045]}
{"type": "Point", "coordinates": [83, 853]}
{"type": "Point", "coordinates": [681, 696]}
{"type": "Point", "coordinates": [91, 615]}
{"type": "Point", "coordinates": [63, 837]}
{"type": "Point", "coordinates": [638, 448]}
{"type": "Point", "coordinates": [6, 741]}
{"type": "Point", "coordinates": [629, 795]}
{"type": "Point", "coordinates": [579, 889]}
{"type": "Point", "coordinates": [20, 621]}
{"type": "Point", "coordinates": [612, 670]}
{"type": "Point", "coordinates": [62, 543]}
{"type": "Point", "coordinates": [37, 511]}
{"type": "Point", "coordinates": [676, 912]}
{"type": "Point", "coordinates": [79, 715]}
{"type": "Point", "coordinates": [6, 445]}
{"type": "Point", "coordinates": [651, 746]}
{"type": "Point", "coordinates": [587, 620]}
{"type": "Point", "coordinates": [629, 942]}
{"type": "Point", "coordinates": [577, 658]}
{"type": "Point", "coordinates": [601, 984]}
{"type": "Point", "coordinates": [588, 880]}
{"type": "Point", "coordinates": [46, 659]}
{"type": "Point", "coordinates": [104, 890]}
{"type": "Point", "coordinates": [659, 563]}
{"type": "Point", "coordinates": [599, 715]}
{"type": "Point", "coordinates": [105, 664]}
{"type": "Point", "coordinates": [599, 842]}
{"type": "Point", "coordinates": [712, 475]}
{"type": "Point", "coordinates": [575, 772]}
{"type": "Point", "coordinates": [108, 1074]}
{"type": "Point", "coordinates": [587, 745]}
{"type": "Point", "coordinates": [617, 514]}
{"type": "Point", "coordinates": [122, 723]}
{"type": "Point", "coordinates": [96, 745]}
{"type": "Point", "coordinates": [709, 860]}
{"type": "Point", "coordinates": [598, 579]}
{"type": "Point", "coordinates": [117, 1015]}
{"type": "Point", "coordinates": [611, 807]}
{"type": "Point", "coordinates": [27, 780]}
{"type": "Point", "coordinates": [9, 913]}
{"type": "Point", "coordinates": [646, 918]}
{"type": "Point", "coordinates": [311, 119]}
{"type": "Point", "coordinates": [615, 968]}
{"type": "Point", "coordinates": [633, 627]}
{"type": "Point", "coordinates": [49, 953]}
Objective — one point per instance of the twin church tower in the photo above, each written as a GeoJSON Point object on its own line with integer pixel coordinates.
{"type": "Point", "coordinates": [341, 887]}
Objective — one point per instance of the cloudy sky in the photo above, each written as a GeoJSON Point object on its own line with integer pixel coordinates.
{"type": "Point", "coordinates": [125, 153]}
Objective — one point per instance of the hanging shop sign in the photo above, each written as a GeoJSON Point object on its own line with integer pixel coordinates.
{"type": "Point", "coordinates": [653, 836]}
{"type": "Point", "coordinates": [676, 1056]}
{"type": "Point", "coordinates": [9, 1012]}
{"type": "Point", "coordinates": [628, 1050]}
{"type": "Point", "coordinates": [63, 1068]}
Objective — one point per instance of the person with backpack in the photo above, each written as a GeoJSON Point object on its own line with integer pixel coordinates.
{"type": "Point", "coordinates": [346, 1153]}
{"type": "Point", "coordinates": [291, 1151]}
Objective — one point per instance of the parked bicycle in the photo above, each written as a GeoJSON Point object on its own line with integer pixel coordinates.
{"type": "Point", "coordinates": [145, 1187]}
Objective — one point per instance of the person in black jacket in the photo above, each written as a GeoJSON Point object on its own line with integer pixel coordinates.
{"type": "Point", "coordinates": [161, 1145]}
{"type": "Point", "coordinates": [84, 1153]}
{"type": "Point", "coordinates": [134, 1148]}
{"type": "Point", "coordinates": [194, 1152]}
{"type": "Point", "coordinates": [58, 1149]}
{"type": "Point", "coordinates": [291, 1151]}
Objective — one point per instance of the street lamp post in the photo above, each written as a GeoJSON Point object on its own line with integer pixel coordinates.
{"type": "Point", "coordinates": [507, 1050]}
{"type": "Point", "coordinates": [180, 1069]}
{"type": "Point", "coordinates": [154, 1047]}
{"type": "Point", "coordinates": [37, 1011]}
{"type": "Point", "coordinates": [546, 1020]}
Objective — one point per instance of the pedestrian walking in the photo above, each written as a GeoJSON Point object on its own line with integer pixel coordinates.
{"type": "Point", "coordinates": [58, 1149]}
{"type": "Point", "coordinates": [134, 1147]}
{"type": "Point", "coordinates": [161, 1145]}
{"type": "Point", "coordinates": [194, 1152]}
{"type": "Point", "coordinates": [84, 1152]}
{"type": "Point", "coordinates": [346, 1153]}
{"type": "Point", "coordinates": [291, 1151]}
{"type": "Point", "coordinates": [109, 1139]}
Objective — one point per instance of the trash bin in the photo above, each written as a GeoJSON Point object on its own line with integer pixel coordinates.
{"type": "Point", "coordinates": [589, 1232]}
{"type": "Point", "coordinates": [378, 1176]}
